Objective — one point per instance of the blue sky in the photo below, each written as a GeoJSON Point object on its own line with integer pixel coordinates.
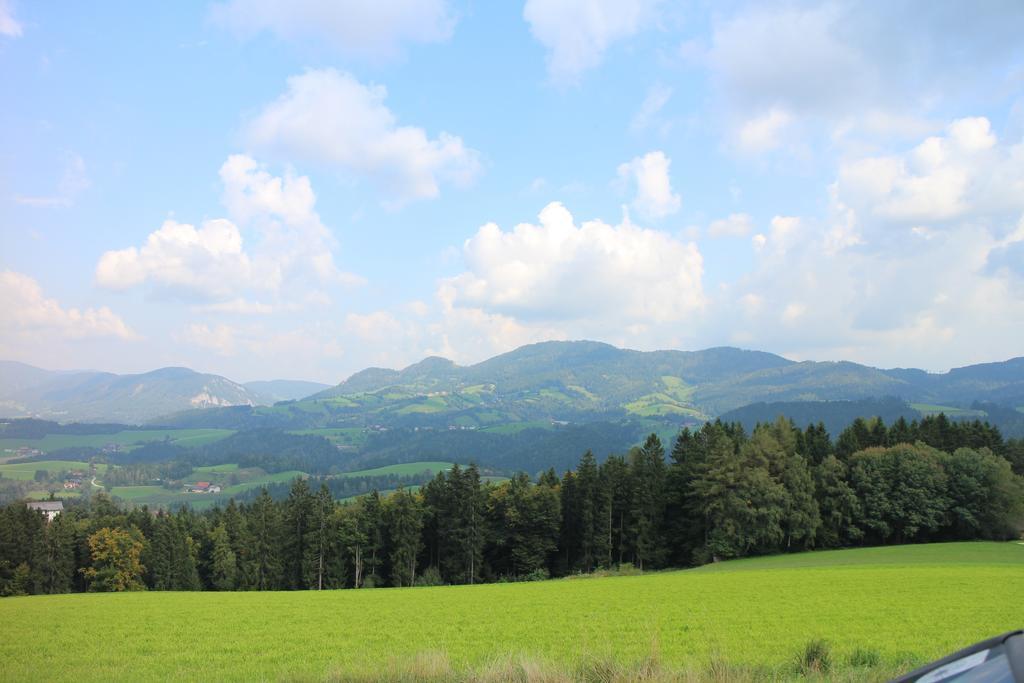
{"type": "Point", "coordinates": [266, 189]}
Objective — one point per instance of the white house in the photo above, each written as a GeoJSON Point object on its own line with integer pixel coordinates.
{"type": "Point", "coordinates": [50, 508]}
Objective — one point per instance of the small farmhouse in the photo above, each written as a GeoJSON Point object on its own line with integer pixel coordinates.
{"type": "Point", "coordinates": [50, 508]}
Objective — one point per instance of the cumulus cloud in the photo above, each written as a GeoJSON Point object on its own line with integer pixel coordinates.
{"type": "Point", "coordinates": [915, 263]}
{"type": "Point", "coordinates": [28, 311]}
{"type": "Point", "coordinates": [558, 271]}
{"type": "Point", "coordinates": [650, 173]}
{"type": "Point", "coordinates": [964, 171]}
{"type": "Point", "coordinates": [366, 29]}
{"type": "Point", "coordinates": [330, 118]}
{"type": "Point", "coordinates": [9, 26]}
{"type": "Point", "coordinates": [577, 33]}
{"type": "Point", "coordinates": [211, 262]}
{"type": "Point", "coordinates": [207, 261]}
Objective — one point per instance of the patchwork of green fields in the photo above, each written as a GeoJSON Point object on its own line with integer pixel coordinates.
{"type": "Point", "coordinates": [404, 470]}
{"type": "Point", "coordinates": [127, 439]}
{"type": "Point", "coordinates": [158, 496]}
{"type": "Point", "coordinates": [344, 437]}
{"type": "Point", "coordinates": [27, 470]}
{"type": "Point", "coordinates": [676, 399]}
{"type": "Point", "coordinates": [950, 411]}
{"type": "Point", "coordinates": [901, 606]}
{"type": "Point", "coordinates": [516, 427]}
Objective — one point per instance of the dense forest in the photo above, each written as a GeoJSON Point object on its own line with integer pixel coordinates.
{"type": "Point", "coordinates": [720, 493]}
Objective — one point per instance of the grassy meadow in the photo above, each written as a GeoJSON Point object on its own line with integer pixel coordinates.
{"type": "Point", "coordinates": [880, 611]}
{"type": "Point", "coordinates": [26, 471]}
{"type": "Point", "coordinates": [127, 439]}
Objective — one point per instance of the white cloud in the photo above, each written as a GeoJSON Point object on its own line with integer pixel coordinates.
{"type": "Point", "coordinates": [916, 263]}
{"type": "Point", "coordinates": [239, 306]}
{"type": "Point", "coordinates": [9, 26]}
{"type": "Point", "coordinates": [208, 261]}
{"type": "Point", "coordinates": [330, 118]}
{"type": "Point", "coordinates": [657, 97]}
{"type": "Point", "coordinates": [366, 29]}
{"type": "Point", "coordinates": [735, 225]}
{"type": "Point", "coordinates": [654, 196]}
{"type": "Point", "coordinates": [557, 271]}
{"type": "Point", "coordinates": [964, 171]}
{"type": "Point", "coordinates": [577, 33]}
{"type": "Point", "coordinates": [379, 326]}
{"type": "Point", "coordinates": [27, 311]}
{"type": "Point", "coordinates": [764, 132]}
{"type": "Point", "coordinates": [219, 338]}
{"type": "Point", "coordinates": [211, 262]}
{"type": "Point", "coordinates": [850, 69]}
{"type": "Point", "coordinates": [73, 181]}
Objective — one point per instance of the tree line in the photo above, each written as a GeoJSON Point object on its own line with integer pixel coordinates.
{"type": "Point", "coordinates": [720, 493]}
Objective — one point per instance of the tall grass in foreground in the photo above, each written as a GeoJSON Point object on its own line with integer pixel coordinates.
{"type": "Point", "coordinates": [812, 663]}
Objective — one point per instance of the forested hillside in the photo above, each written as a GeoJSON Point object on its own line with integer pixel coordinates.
{"type": "Point", "coordinates": [720, 494]}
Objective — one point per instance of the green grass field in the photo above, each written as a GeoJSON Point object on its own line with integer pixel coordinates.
{"type": "Point", "coordinates": [950, 411]}
{"type": "Point", "coordinates": [901, 605]}
{"type": "Point", "coordinates": [217, 469]}
{"type": "Point", "coordinates": [158, 496]}
{"type": "Point", "coordinates": [27, 470]}
{"type": "Point", "coordinates": [345, 437]}
{"type": "Point", "coordinates": [404, 470]}
{"type": "Point", "coordinates": [127, 439]}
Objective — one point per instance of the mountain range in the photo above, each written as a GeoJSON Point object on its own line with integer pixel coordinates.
{"type": "Point", "coordinates": [578, 381]}
{"type": "Point", "coordinates": [90, 396]}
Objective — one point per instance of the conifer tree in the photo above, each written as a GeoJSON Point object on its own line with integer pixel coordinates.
{"type": "Point", "coordinates": [224, 567]}
{"type": "Point", "coordinates": [404, 518]}
{"type": "Point", "coordinates": [264, 526]}
{"type": "Point", "coordinates": [298, 521]}
{"type": "Point", "coordinates": [319, 544]}
{"type": "Point", "coordinates": [648, 469]}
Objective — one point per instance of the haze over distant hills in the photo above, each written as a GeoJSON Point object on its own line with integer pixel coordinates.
{"type": "Point", "coordinates": [563, 381]}
{"type": "Point", "coordinates": [107, 397]}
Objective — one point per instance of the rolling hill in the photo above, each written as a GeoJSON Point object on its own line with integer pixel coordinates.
{"type": "Point", "coordinates": [104, 396]}
{"type": "Point", "coordinates": [530, 387]}
{"type": "Point", "coordinates": [272, 391]}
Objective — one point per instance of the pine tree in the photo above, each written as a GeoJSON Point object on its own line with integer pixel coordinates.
{"type": "Point", "coordinates": [264, 526]}
{"type": "Point", "coordinates": [373, 524]}
{"type": "Point", "coordinates": [817, 444]}
{"type": "Point", "coordinates": [404, 523]}
{"type": "Point", "coordinates": [298, 521]}
{"type": "Point", "coordinates": [224, 567]}
{"type": "Point", "coordinates": [318, 544]}
{"type": "Point", "coordinates": [353, 537]}
{"type": "Point", "coordinates": [648, 469]}
{"type": "Point", "coordinates": [617, 490]}
{"type": "Point", "coordinates": [53, 557]}
{"type": "Point", "coordinates": [236, 524]}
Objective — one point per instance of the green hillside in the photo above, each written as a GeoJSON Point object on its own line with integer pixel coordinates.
{"type": "Point", "coordinates": [124, 440]}
{"type": "Point", "coordinates": [26, 470]}
{"type": "Point", "coordinates": [403, 470]}
{"type": "Point", "coordinates": [555, 383]}
{"type": "Point", "coordinates": [880, 611]}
